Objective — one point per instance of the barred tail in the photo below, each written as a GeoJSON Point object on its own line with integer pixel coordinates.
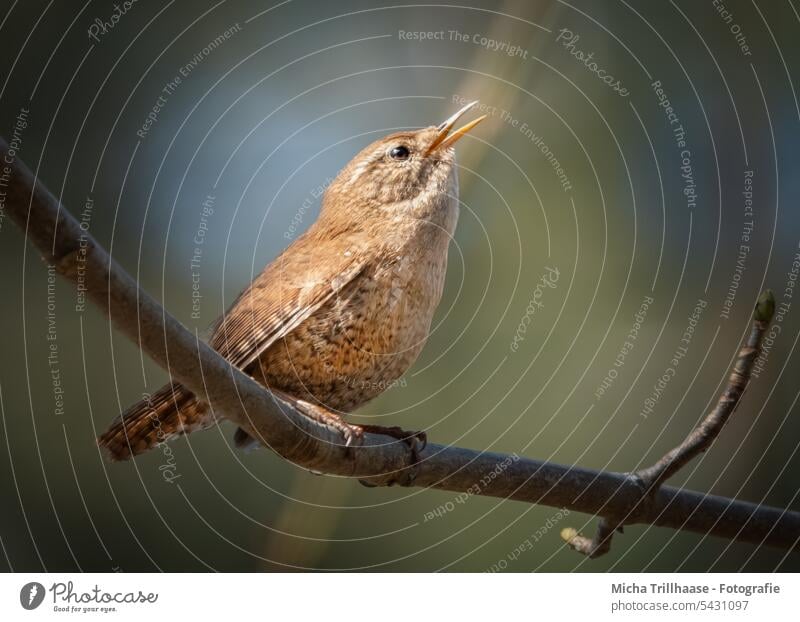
{"type": "Point", "coordinates": [168, 413]}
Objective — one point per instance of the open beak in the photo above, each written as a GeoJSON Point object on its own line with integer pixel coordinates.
{"type": "Point", "coordinates": [444, 138]}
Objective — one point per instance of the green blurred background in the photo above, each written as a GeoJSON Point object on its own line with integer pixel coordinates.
{"type": "Point", "coordinates": [260, 121]}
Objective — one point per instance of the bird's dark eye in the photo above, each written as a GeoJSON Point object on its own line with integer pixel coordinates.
{"type": "Point", "coordinates": [401, 152]}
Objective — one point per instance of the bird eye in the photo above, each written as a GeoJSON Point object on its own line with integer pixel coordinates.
{"type": "Point", "coordinates": [401, 152]}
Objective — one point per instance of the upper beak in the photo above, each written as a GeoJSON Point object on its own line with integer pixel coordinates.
{"type": "Point", "coordinates": [444, 138]}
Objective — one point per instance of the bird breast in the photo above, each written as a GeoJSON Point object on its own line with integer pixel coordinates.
{"type": "Point", "coordinates": [369, 334]}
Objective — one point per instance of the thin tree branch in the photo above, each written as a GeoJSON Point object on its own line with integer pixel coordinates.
{"type": "Point", "coordinates": [704, 434]}
{"type": "Point", "coordinates": [380, 459]}
{"type": "Point", "coordinates": [698, 441]}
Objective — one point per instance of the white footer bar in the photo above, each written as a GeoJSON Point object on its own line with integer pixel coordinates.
{"type": "Point", "coordinates": [400, 597]}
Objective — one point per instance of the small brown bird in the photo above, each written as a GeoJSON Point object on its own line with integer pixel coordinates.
{"type": "Point", "coordinates": [347, 307]}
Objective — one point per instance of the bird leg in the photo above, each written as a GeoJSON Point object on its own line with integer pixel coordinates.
{"type": "Point", "coordinates": [352, 433]}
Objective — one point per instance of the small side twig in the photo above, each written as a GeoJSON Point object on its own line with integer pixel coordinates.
{"type": "Point", "coordinates": [699, 440]}
{"type": "Point", "coordinates": [591, 547]}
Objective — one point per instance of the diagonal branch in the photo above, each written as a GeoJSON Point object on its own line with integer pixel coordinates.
{"type": "Point", "coordinates": [381, 460]}
{"type": "Point", "coordinates": [704, 434]}
{"type": "Point", "coordinates": [698, 441]}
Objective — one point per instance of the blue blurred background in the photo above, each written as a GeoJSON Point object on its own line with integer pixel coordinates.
{"type": "Point", "coordinates": [569, 174]}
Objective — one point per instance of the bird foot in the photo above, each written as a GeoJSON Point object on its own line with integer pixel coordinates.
{"type": "Point", "coordinates": [416, 440]}
{"type": "Point", "coordinates": [353, 434]}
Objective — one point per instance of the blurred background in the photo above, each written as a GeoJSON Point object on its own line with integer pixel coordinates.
{"type": "Point", "coordinates": [645, 153]}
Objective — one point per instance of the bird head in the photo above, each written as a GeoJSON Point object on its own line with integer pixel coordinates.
{"type": "Point", "coordinates": [407, 173]}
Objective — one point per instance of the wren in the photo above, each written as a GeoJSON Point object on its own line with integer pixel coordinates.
{"type": "Point", "coordinates": [345, 310]}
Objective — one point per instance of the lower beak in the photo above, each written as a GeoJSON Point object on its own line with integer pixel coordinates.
{"type": "Point", "coordinates": [444, 138]}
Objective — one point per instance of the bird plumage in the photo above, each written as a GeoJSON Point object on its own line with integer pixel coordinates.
{"type": "Point", "coordinates": [342, 312]}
